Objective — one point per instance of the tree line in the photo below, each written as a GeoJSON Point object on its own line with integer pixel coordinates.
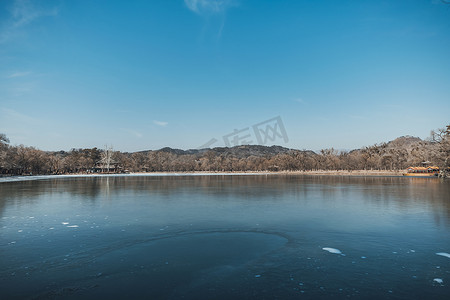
{"type": "Point", "coordinates": [395, 155]}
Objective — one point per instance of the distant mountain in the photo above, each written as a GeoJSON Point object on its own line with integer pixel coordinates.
{"type": "Point", "coordinates": [404, 142]}
{"type": "Point", "coordinates": [244, 151]}
{"type": "Point", "coordinates": [236, 151]}
{"type": "Point", "coordinates": [178, 151]}
{"type": "Point", "coordinates": [240, 152]}
{"type": "Point", "coordinates": [249, 150]}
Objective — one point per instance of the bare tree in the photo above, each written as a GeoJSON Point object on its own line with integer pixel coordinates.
{"type": "Point", "coordinates": [3, 139]}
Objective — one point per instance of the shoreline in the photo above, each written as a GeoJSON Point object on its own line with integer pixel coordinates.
{"type": "Point", "coordinates": [369, 173]}
{"type": "Point", "coordinates": [352, 173]}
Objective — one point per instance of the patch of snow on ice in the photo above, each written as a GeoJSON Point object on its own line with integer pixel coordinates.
{"type": "Point", "coordinates": [73, 226]}
{"type": "Point", "coordinates": [332, 250]}
{"type": "Point", "coordinates": [438, 280]}
{"type": "Point", "coordinates": [65, 223]}
{"type": "Point", "coordinates": [443, 254]}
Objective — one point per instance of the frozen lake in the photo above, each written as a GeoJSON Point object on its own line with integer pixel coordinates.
{"type": "Point", "coordinates": [225, 236]}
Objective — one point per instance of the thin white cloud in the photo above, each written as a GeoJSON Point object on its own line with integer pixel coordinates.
{"type": "Point", "coordinates": [133, 132]}
{"type": "Point", "coordinates": [17, 116]}
{"type": "Point", "coordinates": [440, 1]}
{"type": "Point", "coordinates": [160, 123]}
{"type": "Point", "coordinates": [22, 13]}
{"type": "Point", "coordinates": [357, 117]}
{"type": "Point", "coordinates": [300, 100]}
{"type": "Point", "coordinates": [392, 105]}
{"type": "Point", "coordinates": [209, 6]}
{"type": "Point", "coordinates": [18, 74]}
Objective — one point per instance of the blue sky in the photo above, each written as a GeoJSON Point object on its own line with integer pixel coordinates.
{"type": "Point", "coordinates": [147, 74]}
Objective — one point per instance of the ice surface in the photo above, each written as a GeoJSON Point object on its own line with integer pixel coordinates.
{"type": "Point", "coordinates": [332, 250]}
{"type": "Point", "coordinates": [443, 254]}
{"type": "Point", "coordinates": [439, 280]}
{"type": "Point", "coordinates": [257, 276]}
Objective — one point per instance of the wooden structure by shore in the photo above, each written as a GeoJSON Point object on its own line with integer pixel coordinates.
{"type": "Point", "coordinates": [426, 170]}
